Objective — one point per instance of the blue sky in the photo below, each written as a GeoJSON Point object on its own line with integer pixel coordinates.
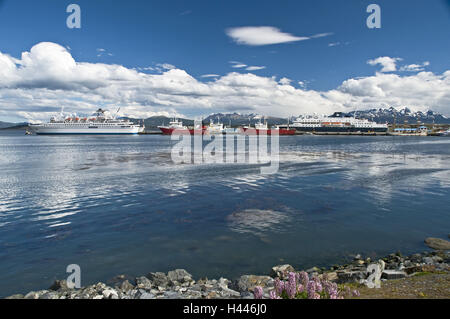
{"type": "Point", "coordinates": [192, 36]}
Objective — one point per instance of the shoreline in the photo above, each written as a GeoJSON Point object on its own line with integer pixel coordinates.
{"type": "Point", "coordinates": [179, 284]}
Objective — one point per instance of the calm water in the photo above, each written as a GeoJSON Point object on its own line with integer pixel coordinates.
{"type": "Point", "coordinates": [119, 205]}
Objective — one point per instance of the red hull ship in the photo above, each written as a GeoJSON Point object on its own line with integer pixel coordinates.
{"type": "Point", "coordinates": [182, 131]}
{"type": "Point", "coordinates": [281, 131]}
{"type": "Point", "coordinates": [262, 128]}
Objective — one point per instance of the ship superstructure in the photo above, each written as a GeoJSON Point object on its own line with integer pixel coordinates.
{"type": "Point", "coordinates": [336, 123]}
{"type": "Point", "coordinates": [100, 122]}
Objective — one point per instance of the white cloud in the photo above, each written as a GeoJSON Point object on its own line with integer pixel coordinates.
{"type": "Point", "coordinates": [48, 77]}
{"type": "Point", "coordinates": [237, 64]}
{"type": "Point", "coordinates": [389, 64]}
{"type": "Point", "coordinates": [255, 68]}
{"type": "Point", "coordinates": [285, 81]}
{"type": "Point", "coordinates": [261, 36]}
{"type": "Point", "coordinates": [415, 67]}
{"type": "Point", "coordinates": [210, 75]}
{"type": "Point", "coordinates": [166, 66]}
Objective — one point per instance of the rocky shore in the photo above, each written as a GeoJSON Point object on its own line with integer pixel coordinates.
{"type": "Point", "coordinates": [179, 284]}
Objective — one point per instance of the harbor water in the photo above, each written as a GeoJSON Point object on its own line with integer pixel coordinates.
{"type": "Point", "coordinates": [119, 205]}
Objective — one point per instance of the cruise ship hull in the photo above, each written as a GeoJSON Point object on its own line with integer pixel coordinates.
{"type": "Point", "coordinates": [340, 129]}
{"type": "Point", "coordinates": [85, 131]}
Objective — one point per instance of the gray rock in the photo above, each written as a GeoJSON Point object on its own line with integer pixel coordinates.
{"type": "Point", "coordinates": [126, 286]}
{"type": "Point", "coordinates": [313, 270]}
{"type": "Point", "coordinates": [437, 243]}
{"type": "Point", "coordinates": [110, 294]}
{"type": "Point", "coordinates": [179, 275]}
{"type": "Point", "coordinates": [147, 295]}
{"type": "Point", "coordinates": [281, 271]}
{"type": "Point", "coordinates": [158, 278]}
{"type": "Point", "coordinates": [247, 283]}
{"type": "Point", "coordinates": [344, 276]}
{"type": "Point", "coordinates": [32, 295]}
{"type": "Point", "coordinates": [16, 296]}
{"type": "Point", "coordinates": [172, 295]}
{"type": "Point", "coordinates": [59, 284]}
{"type": "Point", "coordinates": [143, 282]}
{"type": "Point", "coordinates": [393, 274]}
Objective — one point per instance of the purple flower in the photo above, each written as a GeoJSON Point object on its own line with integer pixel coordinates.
{"type": "Point", "coordinates": [300, 288]}
{"type": "Point", "coordinates": [279, 286]}
{"type": "Point", "coordinates": [303, 278]}
{"type": "Point", "coordinates": [273, 295]}
{"type": "Point", "coordinates": [318, 286]}
{"type": "Point", "coordinates": [311, 289]}
{"type": "Point", "coordinates": [258, 292]}
{"type": "Point", "coordinates": [355, 293]}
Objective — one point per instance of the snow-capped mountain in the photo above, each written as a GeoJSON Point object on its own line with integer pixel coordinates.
{"type": "Point", "coordinates": [404, 115]}
{"type": "Point", "coordinates": [380, 115]}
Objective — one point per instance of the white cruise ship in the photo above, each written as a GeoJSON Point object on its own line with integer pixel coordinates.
{"type": "Point", "coordinates": [99, 122]}
{"type": "Point", "coordinates": [337, 123]}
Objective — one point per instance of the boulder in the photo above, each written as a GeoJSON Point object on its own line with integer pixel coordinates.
{"type": "Point", "coordinates": [143, 283]}
{"type": "Point", "coordinates": [247, 283]}
{"type": "Point", "coordinates": [437, 243]}
{"type": "Point", "coordinates": [59, 284]}
{"type": "Point", "coordinates": [345, 276]}
{"type": "Point", "coordinates": [126, 286]}
{"type": "Point", "coordinates": [281, 271]}
{"type": "Point", "coordinates": [159, 279]}
{"type": "Point", "coordinates": [110, 294]}
{"type": "Point", "coordinates": [331, 276]}
{"type": "Point", "coordinates": [393, 274]}
{"type": "Point", "coordinates": [179, 276]}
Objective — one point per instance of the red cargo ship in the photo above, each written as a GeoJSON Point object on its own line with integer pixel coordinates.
{"type": "Point", "coordinates": [262, 128]}
{"type": "Point", "coordinates": [180, 129]}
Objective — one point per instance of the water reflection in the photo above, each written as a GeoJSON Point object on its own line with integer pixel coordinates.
{"type": "Point", "coordinates": [258, 221]}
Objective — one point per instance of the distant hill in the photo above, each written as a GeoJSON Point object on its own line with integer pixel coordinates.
{"type": "Point", "coordinates": [7, 125]}
{"type": "Point", "coordinates": [237, 119]}
{"type": "Point", "coordinates": [155, 121]}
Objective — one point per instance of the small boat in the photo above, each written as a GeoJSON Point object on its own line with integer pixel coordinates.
{"type": "Point", "coordinates": [27, 132]}
{"type": "Point", "coordinates": [444, 133]}
{"type": "Point", "coordinates": [215, 128]}
{"type": "Point", "coordinates": [421, 131]}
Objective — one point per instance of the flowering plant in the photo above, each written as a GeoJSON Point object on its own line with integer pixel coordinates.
{"type": "Point", "coordinates": [301, 286]}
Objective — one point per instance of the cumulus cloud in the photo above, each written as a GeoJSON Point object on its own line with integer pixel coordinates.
{"type": "Point", "coordinates": [36, 85]}
{"type": "Point", "coordinates": [388, 64]}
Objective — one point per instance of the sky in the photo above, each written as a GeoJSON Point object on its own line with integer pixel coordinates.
{"type": "Point", "coordinates": [197, 57]}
